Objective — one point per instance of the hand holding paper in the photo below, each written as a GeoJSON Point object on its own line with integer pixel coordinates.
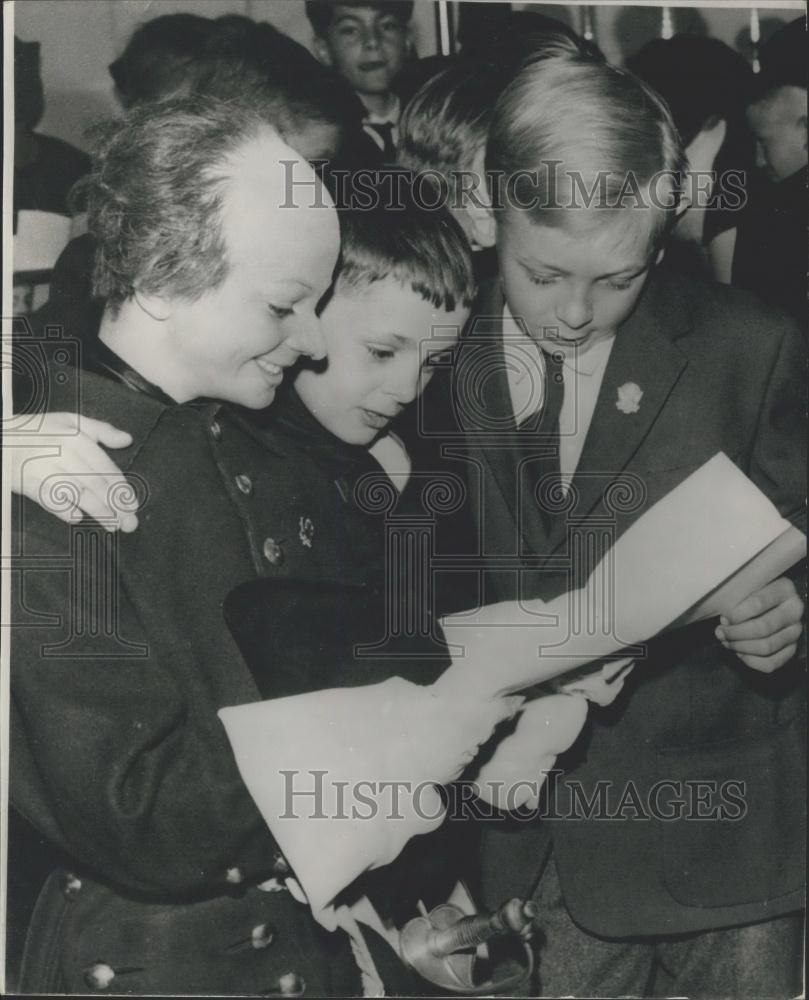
{"type": "Point", "coordinates": [764, 629]}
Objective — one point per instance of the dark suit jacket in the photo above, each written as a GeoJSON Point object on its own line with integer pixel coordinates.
{"type": "Point", "coordinates": [718, 372]}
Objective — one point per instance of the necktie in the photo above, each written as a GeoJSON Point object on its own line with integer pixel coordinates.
{"type": "Point", "coordinates": [546, 468]}
{"type": "Point", "coordinates": [385, 132]}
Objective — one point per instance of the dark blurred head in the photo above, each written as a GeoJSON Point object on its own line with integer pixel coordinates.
{"type": "Point", "coordinates": [701, 80]}
{"type": "Point", "coordinates": [783, 59]}
{"type": "Point", "coordinates": [526, 33]}
{"type": "Point", "coordinates": [249, 62]}
{"type": "Point", "coordinates": [777, 109]}
{"type": "Point", "coordinates": [29, 101]}
{"type": "Point", "coordinates": [161, 58]}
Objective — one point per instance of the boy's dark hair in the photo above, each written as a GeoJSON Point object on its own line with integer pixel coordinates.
{"type": "Point", "coordinates": [701, 80]}
{"type": "Point", "coordinates": [525, 33]}
{"type": "Point", "coordinates": [568, 122]}
{"type": "Point", "coordinates": [783, 61]}
{"type": "Point", "coordinates": [155, 195]}
{"type": "Point", "coordinates": [320, 12]}
{"type": "Point", "coordinates": [161, 58]}
{"type": "Point", "coordinates": [424, 249]}
{"type": "Point", "coordinates": [445, 124]}
{"type": "Point", "coordinates": [253, 63]}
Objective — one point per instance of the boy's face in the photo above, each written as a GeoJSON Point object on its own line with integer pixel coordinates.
{"type": "Point", "coordinates": [382, 344]}
{"type": "Point", "coordinates": [366, 44]}
{"type": "Point", "coordinates": [572, 286]}
{"type": "Point", "coordinates": [779, 126]}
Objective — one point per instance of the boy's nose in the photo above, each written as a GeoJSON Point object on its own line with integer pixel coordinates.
{"type": "Point", "coordinates": [306, 337]}
{"type": "Point", "coordinates": [574, 311]}
{"type": "Point", "coordinates": [371, 38]}
{"type": "Point", "coordinates": [405, 388]}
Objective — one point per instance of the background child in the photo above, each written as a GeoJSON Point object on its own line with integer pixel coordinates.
{"type": "Point", "coordinates": [443, 132]}
{"type": "Point", "coordinates": [770, 254]}
{"type": "Point", "coordinates": [368, 43]}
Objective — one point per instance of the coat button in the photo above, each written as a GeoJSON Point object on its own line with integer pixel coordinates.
{"type": "Point", "coordinates": [262, 936]}
{"type": "Point", "coordinates": [273, 552]}
{"type": "Point", "coordinates": [216, 430]}
{"type": "Point", "coordinates": [71, 885]}
{"type": "Point", "coordinates": [245, 484]}
{"type": "Point", "coordinates": [99, 975]}
{"type": "Point", "coordinates": [234, 876]}
{"type": "Point", "coordinates": [288, 985]}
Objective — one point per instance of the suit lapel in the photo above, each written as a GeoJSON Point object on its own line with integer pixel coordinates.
{"type": "Point", "coordinates": [645, 353]}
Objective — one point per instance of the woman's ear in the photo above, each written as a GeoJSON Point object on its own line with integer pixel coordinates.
{"type": "Point", "coordinates": [156, 307]}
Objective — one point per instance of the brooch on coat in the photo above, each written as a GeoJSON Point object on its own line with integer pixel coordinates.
{"type": "Point", "coordinates": [629, 397]}
{"type": "Point", "coordinates": [306, 531]}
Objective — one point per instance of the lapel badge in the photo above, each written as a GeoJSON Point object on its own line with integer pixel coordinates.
{"type": "Point", "coordinates": [629, 397]}
{"type": "Point", "coordinates": [306, 531]}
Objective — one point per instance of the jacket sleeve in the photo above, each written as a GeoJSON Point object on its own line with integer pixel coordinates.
{"type": "Point", "coordinates": [778, 459]}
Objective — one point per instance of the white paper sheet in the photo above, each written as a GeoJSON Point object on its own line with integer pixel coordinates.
{"type": "Point", "coordinates": [682, 549]}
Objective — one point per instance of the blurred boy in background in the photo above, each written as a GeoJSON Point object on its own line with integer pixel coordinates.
{"type": "Point", "coordinates": [368, 44]}
{"type": "Point", "coordinates": [770, 257]}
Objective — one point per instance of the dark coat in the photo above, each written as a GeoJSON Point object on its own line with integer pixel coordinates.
{"type": "Point", "coordinates": [718, 372]}
{"type": "Point", "coordinates": [121, 658]}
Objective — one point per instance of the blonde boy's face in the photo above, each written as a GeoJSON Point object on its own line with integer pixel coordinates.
{"type": "Point", "coordinates": [367, 45]}
{"type": "Point", "coordinates": [572, 286]}
{"type": "Point", "coordinates": [383, 343]}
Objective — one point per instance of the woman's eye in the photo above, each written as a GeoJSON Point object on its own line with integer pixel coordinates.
{"type": "Point", "coordinates": [541, 279]}
{"type": "Point", "coordinates": [620, 286]}
{"type": "Point", "coordinates": [380, 353]}
{"type": "Point", "coordinates": [280, 312]}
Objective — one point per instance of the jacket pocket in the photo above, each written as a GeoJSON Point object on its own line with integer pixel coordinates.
{"type": "Point", "coordinates": [739, 834]}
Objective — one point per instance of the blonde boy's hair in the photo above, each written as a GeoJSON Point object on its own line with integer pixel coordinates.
{"type": "Point", "coordinates": [572, 132]}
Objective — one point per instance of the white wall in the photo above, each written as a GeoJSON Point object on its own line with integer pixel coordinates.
{"type": "Point", "coordinates": [80, 38]}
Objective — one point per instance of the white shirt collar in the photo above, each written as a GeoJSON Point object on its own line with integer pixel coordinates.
{"type": "Point", "coordinates": [390, 117]}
